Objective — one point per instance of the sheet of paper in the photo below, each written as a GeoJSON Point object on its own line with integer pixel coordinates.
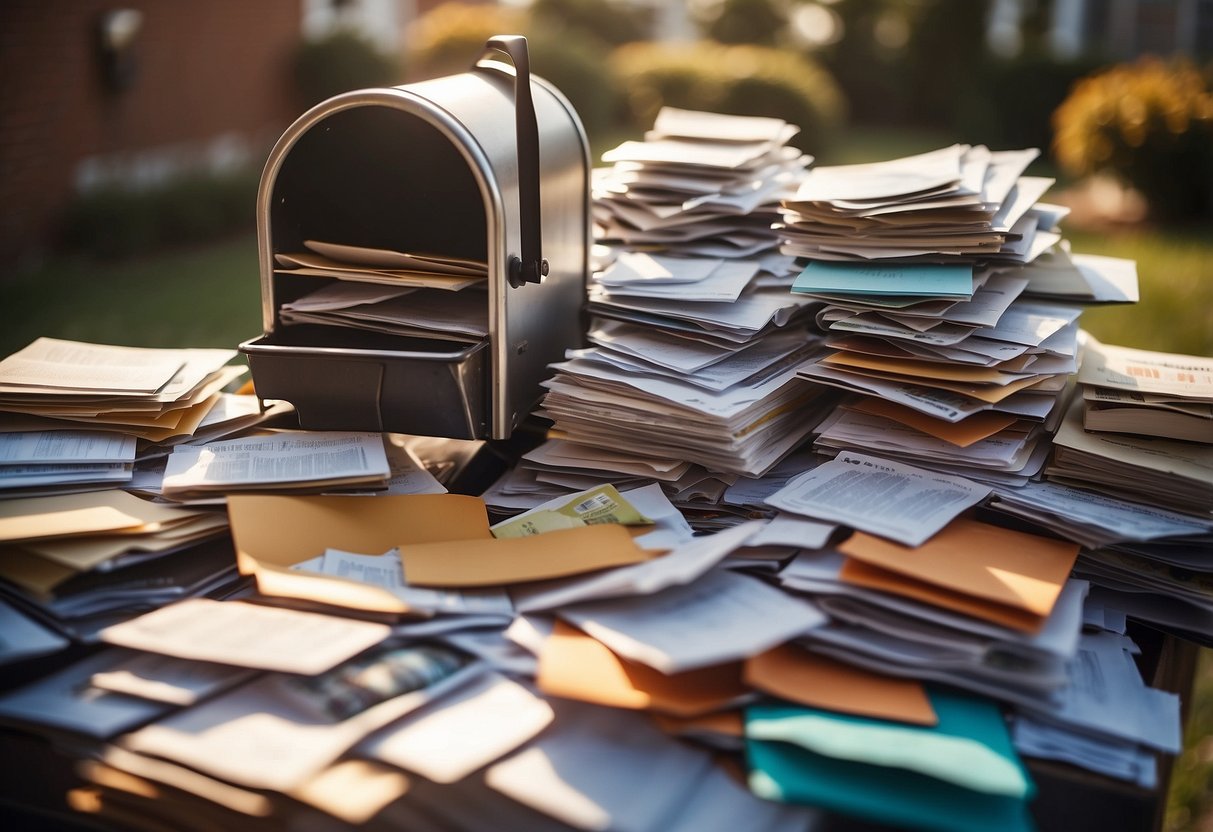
{"type": "Point", "coordinates": [466, 730]}
{"type": "Point", "coordinates": [806, 678]}
{"type": "Point", "coordinates": [632, 267]}
{"type": "Point", "coordinates": [601, 768]}
{"type": "Point", "coordinates": [1147, 371]}
{"type": "Point", "coordinates": [391, 259]}
{"type": "Point", "coordinates": [683, 564]}
{"type": "Point", "coordinates": [65, 446]}
{"type": "Point", "coordinates": [791, 530]}
{"type": "Point", "coordinates": [387, 572]}
{"type": "Point", "coordinates": [1005, 566]}
{"type": "Point", "coordinates": [723, 616]}
{"type": "Point", "coordinates": [898, 501]}
{"type": "Point", "coordinates": [287, 640]}
{"type": "Point", "coordinates": [167, 679]}
{"type": "Point", "coordinates": [65, 700]}
{"type": "Point", "coordinates": [267, 735]}
{"type": "Point", "coordinates": [494, 562]}
{"type": "Point", "coordinates": [573, 665]}
{"type": "Point", "coordinates": [1107, 697]}
{"type": "Point", "coordinates": [891, 178]}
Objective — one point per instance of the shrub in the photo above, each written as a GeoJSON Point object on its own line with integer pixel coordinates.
{"type": "Point", "coordinates": [1148, 123]}
{"type": "Point", "coordinates": [340, 62]}
{"type": "Point", "coordinates": [116, 221]}
{"type": "Point", "coordinates": [450, 38]}
{"type": "Point", "coordinates": [609, 22]}
{"type": "Point", "coordinates": [740, 80]}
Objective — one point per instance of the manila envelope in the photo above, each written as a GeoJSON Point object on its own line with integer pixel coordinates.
{"type": "Point", "coordinates": [806, 678]}
{"type": "Point", "coordinates": [964, 433]}
{"type": "Point", "coordinates": [574, 665]}
{"type": "Point", "coordinates": [512, 560]}
{"type": "Point", "coordinates": [272, 532]}
{"type": "Point", "coordinates": [1016, 570]}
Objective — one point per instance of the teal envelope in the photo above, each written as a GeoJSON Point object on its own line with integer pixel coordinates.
{"type": "Point", "coordinates": [961, 774]}
{"type": "Point", "coordinates": [925, 280]}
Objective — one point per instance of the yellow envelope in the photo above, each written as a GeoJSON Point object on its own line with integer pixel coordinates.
{"type": "Point", "coordinates": [1021, 571]}
{"type": "Point", "coordinates": [512, 560]}
{"type": "Point", "coordinates": [964, 433]}
{"type": "Point", "coordinates": [30, 572]}
{"type": "Point", "coordinates": [805, 678]}
{"type": "Point", "coordinates": [574, 665]}
{"type": "Point", "coordinates": [272, 532]}
{"type": "Point", "coordinates": [64, 515]}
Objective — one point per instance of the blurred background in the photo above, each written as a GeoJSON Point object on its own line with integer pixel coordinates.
{"type": "Point", "coordinates": [132, 137]}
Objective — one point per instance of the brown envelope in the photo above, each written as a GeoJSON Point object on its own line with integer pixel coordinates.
{"type": "Point", "coordinates": [576, 666]}
{"type": "Point", "coordinates": [874, 577]}
{"type": "Point", "coordinates": [1019, 571]}
{"type": "Point", "coordinates": [964, 433]}
{"type": "Point", "coordinates": [272, 532]}
{"type": "Point", "coordinates": [920, 368]}
{"type": "Point", "coordinates": [494, 562]}
{"type": "Point", "coordinates": [805, 678]}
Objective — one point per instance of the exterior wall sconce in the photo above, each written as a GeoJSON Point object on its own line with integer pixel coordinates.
{"type": "Point", "coordinates": [117, 35]}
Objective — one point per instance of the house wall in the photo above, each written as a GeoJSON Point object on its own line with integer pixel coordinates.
{"type": "Point", "coordinates": [210, 83]}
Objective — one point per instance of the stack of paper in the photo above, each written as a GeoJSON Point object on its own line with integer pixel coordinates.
{"type": "Point", "coordinates": [280, 461]}
{"type": "Point", "coordinates": [698, 185]}
{"type": "Point", "coordinates": [957, 202]}
{"type": "Point", "coordinates": [1147, 393]}
{"type": "Point", "coordinates": [1167, 473]}
{"type": "Point", "coordinates": [955, 366]}
{"type": "Point", "coordinates": [153, 394]}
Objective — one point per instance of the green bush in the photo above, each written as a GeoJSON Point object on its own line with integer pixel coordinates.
{"type": "Point", "coordinates": [451, 38]}
{"type": "Point", "coordinates": [740, 80]}
{"type": "Point", "coordinates": [1149, 123]}
{"type": "Point", "coordinates": [608, 22]}
{"type": "Point", "coordinates": [115, 221]}
{"type": "Point", "coordinates": [340, 62]}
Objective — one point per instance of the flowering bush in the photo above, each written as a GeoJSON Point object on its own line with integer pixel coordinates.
{"type": "Point", "coordinates": [1150, 124]}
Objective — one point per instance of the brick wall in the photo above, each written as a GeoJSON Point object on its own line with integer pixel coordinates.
{"type": "Point", "coordinates": [204, 69]}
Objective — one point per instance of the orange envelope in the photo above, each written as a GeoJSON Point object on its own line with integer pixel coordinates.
{"type": "Point", "coordinates": [964, 433]}
{"type": "Point", "coordinates": [513, 560]}
{"type": "Point", "coordinates": [874, 577]}
{"type": "Point", "coordinates": [576, 666]}
{"type": "Point", "coordinates": [988, 564]}
{"type": "Point", "coordinates": [272, 532]}
{"type": "Point", "coordinates": [921, 368]}
{"type": "Point", "coordinates": [805, 678]}
{"type": "Point", "coordinates": [720, 723]}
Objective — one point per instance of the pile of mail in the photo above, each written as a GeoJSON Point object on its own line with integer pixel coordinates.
{"type": "Point", "coordinates": [701, 607]}
{"type": "Point", "coordinates": [395, 292]}
{"type": "Point", "coordinates": [694, 336]}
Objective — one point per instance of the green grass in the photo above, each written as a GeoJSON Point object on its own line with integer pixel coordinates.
{"type": "Point", "coordinates": [1175, 270]}
{"type": "Point", "coordinates": [199, 297]}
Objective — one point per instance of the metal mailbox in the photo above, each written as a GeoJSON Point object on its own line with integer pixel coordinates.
{"type": "Point", "coordinates": [489, 165]}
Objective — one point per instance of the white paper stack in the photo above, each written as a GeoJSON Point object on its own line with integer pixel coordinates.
{"type": "Point", "coordinates": [699, 185]}
{"type": "Point", "coordinates": [963, 201]}
{"type": "Point", "coordinates": [151, 394]}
